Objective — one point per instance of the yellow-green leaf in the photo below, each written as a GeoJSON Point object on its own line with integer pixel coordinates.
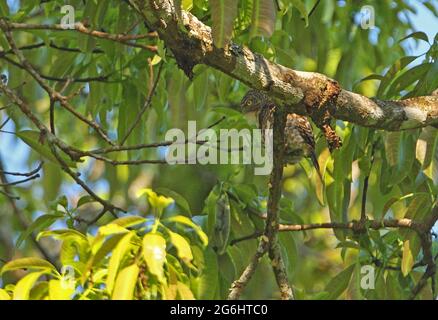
{"type": "Point", "coordinates": [4, 295]}
{"type": "Point", "coordinates": [184, 292]}
{"type": "Point", "coordinates": [182, 246]}
{"type": "Point", "coordinates": [125, 283]}
{"type": "Point", "coordinates": [407, 259]}
{"type": "Point", "coordinates": [110, 229]}
{"type": "Point", "coordinates": [23, 287]}
{"type": "Point", "coordinates": [154, 253]}
{"type": "Point", "coordinates": [116, 258]}
{"type": "Point", "coordinates": [29, 263]}
{"type": "Point", "coordinates": [129, 221]}
{"type": "Point", "coordinates": [186, 221]}
{"type": "Point", "coordinates": [60, 290]}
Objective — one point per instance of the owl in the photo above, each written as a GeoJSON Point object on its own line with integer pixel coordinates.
{"type": "Point", "coordinates": [298, 131]}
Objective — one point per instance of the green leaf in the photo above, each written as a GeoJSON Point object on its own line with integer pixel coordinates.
{"type": "Point", "coordinates": [180, 201]}
{"type": "Point", "coordinates": [4, 9]}
{"type": "Point", "coordinates": [62, 234]}
{"type": "Point", "coordinates": [154, 253]}
{"type": "Point", "coordinates": [301, 7]}
{"type": "Point", "coordinates": [184, 291]}
{"type": "Point", "coordinates": [125, 283]}
{"type": "Point", "coordinates": [85, 200]}
{"type": "Point", "coordinates": [200, 87]}
{"type": "Point", "coordinates": [290, 252]}
{"type": "Point", "coordinates": [417, 35]}
{"type": "Point", "coordinates": [33, 140]}
{"type": "Point", "coordinates": [221, 232]}
{"type": "Point", "coordinates": [223, 13]}
{"type": "Point", "coordinates": [182, 246]}
{"type": "Point", "coordinates": [28, 263]}
{"type": "Point", "coordinates": [41, 222]}
{"type": "Point", "coordinates": [23, 287]}
{"type": "Point", "coordinates": [339, 283]}
{"type": "Point", "coordinates": [116, 258]}
{"type": "Point", "coordinates": [408, 78]}
{"type": "Point", "coordinates": [186, 221]}
{"type": "Point", "coordinates": [263, 18]}
{"type": "Point", "coordinates": [207, 283]}
{"type": "Point", "coordinates": [129, 221]}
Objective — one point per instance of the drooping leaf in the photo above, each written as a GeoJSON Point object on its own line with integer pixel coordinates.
{"type": "Point", "coordinates": [222, 227]}
{"type": "Point", "coordinates": [208, 281]}
{"type": "Point", "coordinates": [23, 287]}
{"type": "Point", "coordinates": [186, 221]}
{"type": "Point", "coordinates": [33, 140]}
{"type": "Point", "coordinates": [339, 283]}
{"type": "Point", "coordinates": [116, 258]}
{"type": "Point", "coordinates": [154, 253]}
{"type": "Point", "coordinates": [223, 13]}
{"type": "Point", "coordinates": [125, 283]}
{"type": "Point", "coordinates": [182, 246]}
{"type": "Point", "coordinates": [180, 201]}
{"type": "Point", "coordinates": [4, 295]}
{"type": "Point", "coordinates": [301, 7]}
{"type": "Point", "coordinates": [41, 222]}
{"type": "Point", "coordinates": [263, 18]}
{"type": "Point", "coordinates": [184, 291]}
{"type": "Point", "coordinates": [29, 263]}
{"type": "Point", "coordinates": [407, 259]}
{"type": "Point", "coordinates": [417, 35]}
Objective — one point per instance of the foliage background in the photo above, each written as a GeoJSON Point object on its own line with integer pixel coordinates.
{"type": "Point", "coordinates": [333, 43]}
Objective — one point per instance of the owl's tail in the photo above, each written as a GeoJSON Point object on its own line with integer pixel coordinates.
{"type": "Point", "coordinates": [316, 165]}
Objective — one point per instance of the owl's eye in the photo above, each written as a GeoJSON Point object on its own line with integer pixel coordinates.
{"type": "Point", "coordinates": [249, 103]}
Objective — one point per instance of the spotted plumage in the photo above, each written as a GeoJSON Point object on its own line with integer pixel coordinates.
{"type": "Point", "coordinates": [298, 131]}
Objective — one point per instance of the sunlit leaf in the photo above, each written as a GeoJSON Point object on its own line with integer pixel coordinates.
{"type": "Point", "coordinates": [182, 246]}
{"type": "Point", "coordinates": [60, 290]}
{"type": "Point", "coordinates": [28, 263]}
{"type": "Point", "coordinates": [186, 221]}
{"type": "Point", "coordinates": [116, 258]}
{"type": "Point", "coordinates": [23, 287]}
{"type": "Point", "coordinates": [125, 283]}
{"type": "Point", "coordinates": [154, 253]}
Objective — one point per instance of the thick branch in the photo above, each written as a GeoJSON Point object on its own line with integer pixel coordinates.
{"type": "Point", "coordinates": [193, 45]}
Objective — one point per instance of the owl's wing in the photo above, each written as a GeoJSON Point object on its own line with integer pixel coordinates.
{"type": "Point", "coordinates": [266, 117]}
{"type": "Point", "coordinates": [304, 128]}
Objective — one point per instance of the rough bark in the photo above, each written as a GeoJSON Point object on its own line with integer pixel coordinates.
{"type": "Point", "coordinates": [191, 42]}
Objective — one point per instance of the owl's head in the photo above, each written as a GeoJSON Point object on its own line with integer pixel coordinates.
{"type": "Point", "coordinates": [253, 101]}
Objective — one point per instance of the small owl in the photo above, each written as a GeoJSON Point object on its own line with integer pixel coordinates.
{"type": "Point", "coordinates": [298, 131]}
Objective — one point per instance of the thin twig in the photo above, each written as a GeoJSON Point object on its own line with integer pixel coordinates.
{"type": "Point", "coordinates": [20, 181]}
{"type": "Point", "coordinates": [79, 27]}
{"type": "Point", "coordinates": [21, 217]}
{"type": "Point", "coordinates": [239, 285]}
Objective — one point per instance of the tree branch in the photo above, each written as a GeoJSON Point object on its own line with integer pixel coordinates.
{"type": "Point", "coordinates": [304, 90]}
{"type": "Point", "coordinates": [125, 39]}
